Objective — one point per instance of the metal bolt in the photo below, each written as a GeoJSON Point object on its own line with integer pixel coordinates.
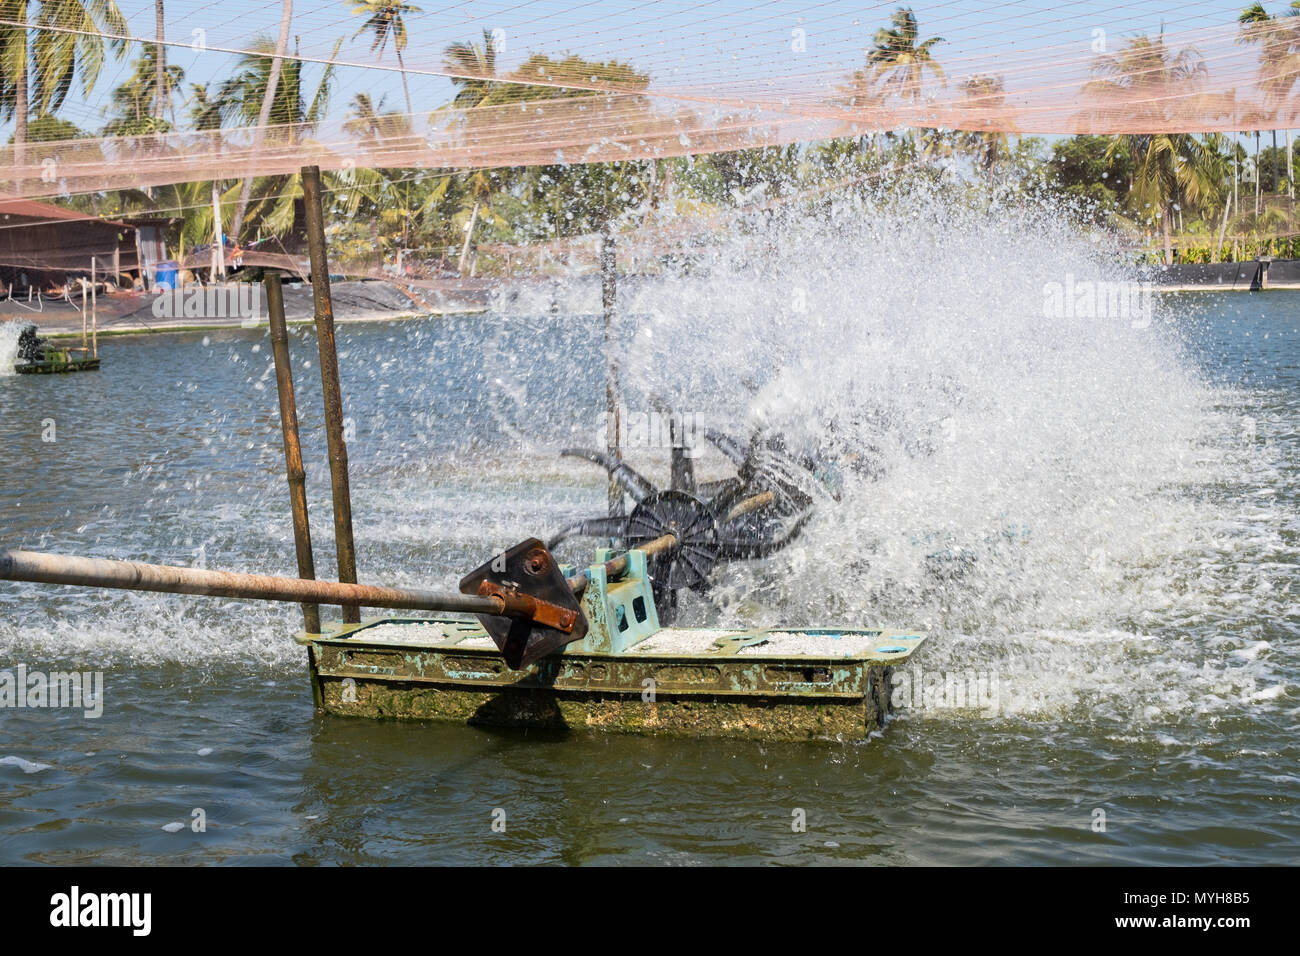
{"type": "Point", "coordinates": [536, 562]}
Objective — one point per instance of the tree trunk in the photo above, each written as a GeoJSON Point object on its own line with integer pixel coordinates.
{"type": "Point", "coordinates": [406, 89]}
{"type": "Point", "coordinates": [20, 100]}
{"type": "Point", "coordinates": [469, 232]}
{"type": "Point", "coordinates": [1259, 174]}
{"type": "Point", "coordinates": [264, 115]}
{"type": "Point", "coordinates": [1277, 180]}
{"type": "Point", "coordinates": [1223, 227]}
{"type": "Point", "coordinates": [1169, 251]}
{"type": "Point", "coordinates": [160, 63]}
{"type": "Point", "coordinates": [1290, 167]}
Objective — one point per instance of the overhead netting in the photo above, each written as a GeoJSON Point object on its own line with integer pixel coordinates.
{"type": "Point", "coordinates": [673, 78]}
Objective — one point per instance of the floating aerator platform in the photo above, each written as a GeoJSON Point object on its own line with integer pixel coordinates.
{"type": "Point", "coordinates": [37, 357]}
{"type": "Point", "coordinates": [625, 673]}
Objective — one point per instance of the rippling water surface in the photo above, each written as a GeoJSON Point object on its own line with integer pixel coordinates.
{"type": "Point", "coordinates": [1127, 499]}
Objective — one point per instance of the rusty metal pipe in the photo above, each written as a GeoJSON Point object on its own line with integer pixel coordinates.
{"type": "Point", "coordinates": [329, 378]}
{"type": "Point", "coordinates": [294, 470]}
{"type": "Point", "coordinates": [164, 579]}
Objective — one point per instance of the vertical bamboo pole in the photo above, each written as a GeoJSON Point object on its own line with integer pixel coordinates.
{"type": "Point", "coordinates": [609, 304]}
{"type": "Point", "coordinates": [329, 377]}
{"type": "Point", "coordinates": [94, 314]}
{"type": "Point", "coordinates": [292, 449]}
{"type": "Point", "coordinates": [218, 247]}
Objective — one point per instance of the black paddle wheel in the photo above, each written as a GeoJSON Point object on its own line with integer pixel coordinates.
{"type": "Point", "coordinates": [753, 514]}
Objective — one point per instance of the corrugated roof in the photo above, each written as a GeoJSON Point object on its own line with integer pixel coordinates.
{"type": "Point", "coordinates": [30, 209]}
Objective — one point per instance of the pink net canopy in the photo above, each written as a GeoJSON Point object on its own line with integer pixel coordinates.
{"type": "Point", "coordinates": [673, 79]}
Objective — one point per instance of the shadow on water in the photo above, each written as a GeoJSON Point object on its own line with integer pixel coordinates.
{"type": "Point", "coordinates": [415, 792]}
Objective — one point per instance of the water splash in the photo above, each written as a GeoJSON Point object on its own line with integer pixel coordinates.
{"type": "Point", "coordinates": [1042, 493]}
{"type": "Point", "coordinates": [9, 332]}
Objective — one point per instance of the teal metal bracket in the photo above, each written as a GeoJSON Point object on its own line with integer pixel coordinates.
{"type": "Point", "coordinates": [620, 613]}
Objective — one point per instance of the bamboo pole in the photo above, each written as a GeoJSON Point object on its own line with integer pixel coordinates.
{"type": "Point", "coordinates": [609, 304]}
{"type": "Point", "coordinates": [292, 449]}
{"type": "Point", "coordinates": [218, 247]}
{"type": "Point", "coordinates": [94, 313]}
{"type": "Point", "coordinates": [329, 376]}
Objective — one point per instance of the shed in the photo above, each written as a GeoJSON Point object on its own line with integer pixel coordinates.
{"type": "Point", "coordinates": [44, 244]}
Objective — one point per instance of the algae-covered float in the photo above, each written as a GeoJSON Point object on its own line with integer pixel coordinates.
{"type": "Point", "coordinates": [627, 673]}
{"type": "Point", "coordinates": [766, 684]}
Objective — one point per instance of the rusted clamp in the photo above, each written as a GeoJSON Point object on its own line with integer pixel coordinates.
{"type": "Point", "coordinates": [515, 604]}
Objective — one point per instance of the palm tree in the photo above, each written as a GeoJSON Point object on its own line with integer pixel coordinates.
{"type": "Point", "coordinates": [473, 65]}
{"type": "Point", "coordinates": [264, 112]}
{"type": "Point", "coordinates": [1279, 40]}
{"type": "Point", "coordinates": [60, 56]}
{"type": "Point", "coordinates": [373, 125]}
{"type": "Point", "coordinates": [985, 95]}
{"type": "Point", "coordinates": [244, 96]}
{"type": "Point", "coordinates": [160, 61]}
{"type": "Point", "coordinates": [479, 189]}
{"type": "Point", "coordinates": [14, 91]}
{"type": "Point", "coordinates": [1169, 168]}
{"type": "Point", "coordinates": [1279, 64]}
{"type": "Point", "coordinates": [901, 62]}
{"type": "Point", "coordinates": [384, 19]}
{"type": "Point", "coordinates": [383, 196]}
{"type": "Point", "coordinates": [39, 72]}
{"type": "Point", "coordinates": [1214, 172]}
{"type": "Point", "coordinates": [1172, 170]}
{"type": "Point", "coordinates": [897, 63]}
{"type": "Point", "coordinates": [205, 109]}
{"type": "Point", "coordinates": [135, 102]}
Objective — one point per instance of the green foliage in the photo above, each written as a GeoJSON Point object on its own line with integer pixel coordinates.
{"type": "Point", "coordinates": [1272, 168]}
{"type": "Point", "coordinates": [76, 50]}
{"type": "Point", "coordinates": [133, 103]}
{"type": "Point", "coordinates": [1083, 169]}
{"type": "Point", "coordinates": [51, 129]}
